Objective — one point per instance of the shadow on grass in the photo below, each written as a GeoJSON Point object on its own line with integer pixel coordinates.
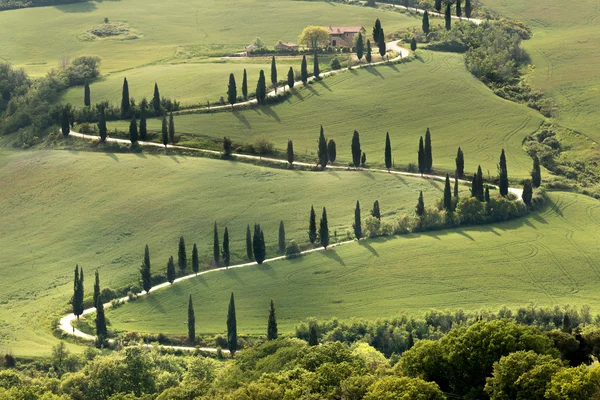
{"type": "Point", "coordinates": [367, 245]}
{"type": "Point", "coordinates": [322, 83]}
{"type": "Point", "coordinates": [85, 7]}
{"type": "Point", "coordinates": [311, 89]}
{"type": "Point", "coordinates": [240, 116]}
{"type": "Point", "coordinates": [374, 71]}
{"type": "Point", "coordinates": [332, 255]}
{"type": "Point", "coordinates": [154, 302]}
{"type": "Point", "coordinates": [296, 93]}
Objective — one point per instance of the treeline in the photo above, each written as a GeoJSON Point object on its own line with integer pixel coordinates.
{"type": "Point", "coordinates": [15, 4]}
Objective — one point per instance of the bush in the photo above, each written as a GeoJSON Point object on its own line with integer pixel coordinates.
{"type": "Point", "coordinates": [292, 250]}
{"type": "Point", "coordinates": [335, 63]}
{"type": "Point", "coordinates": [262, 145]}
{"type": "Point", "coordinates": [433, 219]}
{"type": "Point", "coordinates": [470, 211]}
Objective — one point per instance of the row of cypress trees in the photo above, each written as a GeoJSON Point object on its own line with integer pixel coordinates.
{"type": "Point", "coordinates": [77, 302]}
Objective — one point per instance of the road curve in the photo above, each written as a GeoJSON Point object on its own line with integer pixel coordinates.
{"type": "Point", "coordinates": [434, 13]}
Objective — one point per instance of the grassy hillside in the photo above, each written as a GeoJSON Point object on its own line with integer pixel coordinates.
{"type": "Point", "coordinates": [59, 208]}
{"type": "Point", "coordinates": [549, 258]}
{"type": "Point", "coordinates": [435, 91]}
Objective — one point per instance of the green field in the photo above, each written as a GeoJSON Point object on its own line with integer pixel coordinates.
{"type": "Point", "coordinates": [548, 258]}
{"type": "Point", "coordinates": [59, 208]}
{"type": "Point", "coordinates": [435, 91]}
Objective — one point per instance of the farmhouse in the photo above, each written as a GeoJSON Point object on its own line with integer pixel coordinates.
{"type": "Point", "coordinates": [286, 46]}
{"type": "Point", "coordinates": [343, 36]}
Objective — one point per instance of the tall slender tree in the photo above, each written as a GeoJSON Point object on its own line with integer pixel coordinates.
{"type": "Point", "coordinates": [527, 192]}
{"type": "Point", "coordinates": [474, 189]}
{"type": "Point", "coordinates": [100, 321]}
{"type": "Point", "coordinates": [480, 194]}
{"type": "Point", "coordinates": [102, 131]}
{"type": "Point", "coordinates": [191, 322]}
{"type": "Point", "coordinates": [272, 324]}
{"type": "Point", "coordinates": [245, 85]}
{"type": "Point", "coordinates": [316, 69]}
{"type": "Point", "coordinates": [258, 244]}
{"type": "Point", "coordinates": [331, 151]}
{"type": "Point", "coordinates": [87, 101]}
{"type": "Point", "coordinates": [274, 73]}
{"type": "Point", "coordinates": [182, 255]}
{"type": "Point", "coordinates": [468, 8]}
{"type": "Point", "coordinates": [322, 150]}
{"type": "Point", "coordinates": [375, 211]}
{"type": "Point", "coordinates": [388, 152]}
{"type": "Point", "coordinates": [249, 251]}
{"type": "Point", "coordinates": [536, 172]}
{"type": "Point", "coordinates": [290, 152]}
{"type": "Point", "coordinates": [171, 128]}
{"type": "Point", "coordinates": [290, 78]}
{"type": "Point", "coordinates": [420, 209]}
{"type": "Point", "coordinates": [165, 132]}
{"type": "Point", "coordinates": [456, 187]}
{"type": "Point", "coordinates": [422, 158]}
{"type": "Point", "coordinates": [232, 341]}
{"type": "Point", "coordinates": [357, 223]}
{"type": "Point", "coordinates": [216, 249]}
{"type": "Point", "coordinates": [125, 104]}
{"type": "Point", "coordinates": [368, 55]}
{"type": "Point", "coordinates": [143, 125]}
{"type": "Point", "coordinates": [458, 9]}
{"type": "Point", "coordinates": [261, 89]}
{"type": "Point", "coordinates": [226, 253]}
{"type": "Point", "coordinates": [96, 287]}
{"type": "Point", "coordinates": [304, 70]}
{"type": "Point", "coordinates": [413, 44]}
{"type": "Point", "coordinates": [171, 270]}
{"type": "Point", "coordinates": [65, 124]}
{"type": "Point", "coordinates": [356, 151]}
{"type": "Point", "coordinates": [425, 24]}
{"type": "Point", "coordinates": [133, 131]}
{"type": "Point", "coordinates": [381, 44]}
{"type": "Point", "coordinates": [156, 100]}
{"type": "Point", "coordinates": [428, 152]}
{"type": "Point", "coordinates": [195, 260]}
{"type": "Point", "coordinates": [363, 160]}
{"type": "Point", "coordinates": [360, 46]}
{"type": "Point", "coordinates": [438, 5]}
{"type": "Point", "coordinates": [281, 241]}
{"type": "Point", "coordinates": [313, 335]}
{"type": "Point", "coordinates": [503, 172]}
{"type": "Point", "coordinates": [487, 194]}
{"type": "Point", "coordinates": [448, 195]}
{"type": "Point", "coordinates": [324, 230]}
{"type": "Point", "coordinates": [76, 293]}
{"type": "Point", "coordinates": [312, 226]}
{"type": "Point", "coordinates": [231, 90]}
{"type": "Point", "coordinates": [448, 16]}
{"type": "Point", "coordinates": [377, 30]}
{"type": "Point", "coordinates": [460, 163]}
{"type": "Point", "coordinates": [145, 271]}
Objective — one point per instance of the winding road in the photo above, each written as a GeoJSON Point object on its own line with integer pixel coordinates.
{"type": "Point", "coordinates": [434, 13]}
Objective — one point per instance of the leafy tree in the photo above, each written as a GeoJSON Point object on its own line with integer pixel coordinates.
{"type": "Point", "coordinates": [527, 192]}
{"type": "Point", "coordinates": [413, 44]}
{"type": "Point", "coordinates": [274, 73]}
{"type": "Point", "coordinates": [536, 173]}
{"type": "Point", "coordinates": [191, 322]}
{"type": "Point", "coordinates": [316, 69]}
{"type": "Point", "coordinates": [165, 132]}
{"type": "Point", "coordinates": [258, 244]}
{"type": "Point", "coordinates": [133, 131]}
{"type": "Point", "coordinates": [420, 209]}
{"type": "Point", "coordinates": [290, 78]}
{"type": "Point", "coordinates": [448, 16]}
{"type": "Point", "coordinates": [360, 46]}
{"type": "Point", "coordinates": [171, 128]}
{"type": "Point", "coordinates": [125, 104]}
{"type": "Point", "coordinates": [375, 211]}
{"type": "Point", "coordinates": [138, 372]}
{"type": "Point", "coordinates": [96, 286]}
{"type": "Point", "coordinates": [261, 88]}
{"type": "Point", "coordinates": [421, 155]}
{"type": "Point", "coordinates": [86, 95]}
{"type": "Point", "coordinates": [324, 230]}
{"type": "Point", "coordinates": [381, 44]}
{"type": "Point", "coordinates": [448, 195]}
{"type": "Point", "coordinates": [195, 260]}
{"type": "Point", "coordinates": [460, 163]}
{"type": "Point", "coordinates": [226, 253]}
{"type": "Point", "coordinates": [312, 226]}
{"type": "Point", "coordinates": [227, 146]}
{"type": "Point", "coordinates": [281, 242]}
{"type": "Point", "coordinates": [216, 249]}
{"type": "Point", "coordinates": [304, 70]}
{"type": "Point", "coordinates": [272, 324]}
{"type": "Point", "coordinates": [245, 85]}
{"type": "Point", "coordinates": [393, 387]}
{"type": "Point", "coordinates": [231, 90]}
{"type": "Point", "coordinates": [231, 327]}
{"type": "Point", "coordinates": [356, 151]}
{"type": "Point", "coordinates": [171, 270]}
{"type": "Point", "coordinates": [143, 125]}
{"type": "Point", "coordinates": [468, 8]}
{"type": "Point", "coordinates": [65, 124]}
{"type": "Point", "coordinates": [314, 37]}
{"type": "Point", "coordinates": [458, 9]}
{"type": "Point", "coordinates": [438, 5]}
{"type": "Point", "coordinates": [357, 222]}
{"type": "Point", "coordinates": [388, 152]}
{"type": "Point", "coordinates": [368, 54]}
{"type": "Point", "coordinates": [181, 255]}
{"type": "Point", "coordinates": [331, 151]}
{"type": "Point", "coordinates": [156, 99]}
{"type": "Point", "coordinates": [249, 251]}
{"type": "Point", "coordinates": [101, 330]}
{"type": "Point", "coordinates": [503, 172]}
{"type": "Point", "coordinates": [290, 152]}
{"type": "Point", "coordinates": [145, 271]}
{"type": "Point", "coordinates": [322, 151]}
{"type": "Point", "coordinates": [377, 31]}
{"type": "Point", "coordinates": [313, 335]}
{"type": "Point", "coordinates": [480, 194]}
{"type": "Point", "coordinates": [426, 23]}
{"type": "Point", "coordinates": [363, 159]}
{"type": "Point", "coordinates": [102, 125]}
{"type": "Point", "coordinates": [428, 152]}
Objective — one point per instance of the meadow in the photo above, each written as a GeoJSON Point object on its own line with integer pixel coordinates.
{"type": "Point", "coordinates": [548, 258]}
{"type": "Point", "coordinates": [99, 210]}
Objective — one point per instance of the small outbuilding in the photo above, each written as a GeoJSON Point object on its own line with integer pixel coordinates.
{"type": "Point", "coordinates": [286, 46]}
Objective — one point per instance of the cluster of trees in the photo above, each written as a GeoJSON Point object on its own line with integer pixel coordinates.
{"type": "Point", "coordinates": [323, 232]}
{"type": "Point", "coordinates": [77, 303]}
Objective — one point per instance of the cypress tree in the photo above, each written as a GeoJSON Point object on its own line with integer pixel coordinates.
{"type": "Point", "coordinates": [86, 95]}
{"type": "Point", "coordinates": [428, 152]}
{"type": "Point", "coordinates": [290, 152]}
{"type": "Point", "coordinates": [258, 244]}
{"type": "Point", "coordinates": [381, 44]}
{"type": "Point", "coordinates": [226, 253]}
{"type": "Point", "coordinates": [80, 293]}
{"type": "Point", "coordinates": [357, 223]}
{"type": "Point", "coordinates": [375, 211]}
{"type": "Point", "coordinates": [143, 125]}
{"type": "Point", "coordinates": [448, 17]}
{"type": "Point", "coordinates": [331, 151]}
{"type": "Point", "coordinates": [216, 250]}
{"type": "Point", "coordinates": [181, 255]}
{"type": "Point", "coordinates": [249, 252]}
{"type": "Point", "coordinates": [171, 270]}
{"type": "Point", "coordinates": [360, 46]}
{"type": "Point", "coordinates": [274, 73]}
{"type": "Point", "coordinates": [312, 226]}
{"type": "Point", "coordinates": [125, 98]}
{"type": "Point", "coordinates": [316, 69]}
{"type": "Point", "coordinates": [363, 159]}
{"type": "Point", "coordinates": [102, 125]}
{"type": "Point", "coordinates": [527, 192]}
{"type": "Point", "coordinates": [388, 152]}
{"type": "Point", "coordinates": [101, 330]}
{"type": "Point", "coordinates": [290, 78]}
{"type": "Point", "coordinates": [75, 299]}
{"type": "Point", "coordinates": [468, 9]}
{"type": "Point", "coordinates": [458, 9]}
{"type": "Point", "coordinates": [425, 25]}
{"type": "Point", "coordinates": [231, 90]}
{"type": "Point", "coordinates": [304, 70]}
{"type": "Point", "coordinates": [421, 155]}
{"type": "Point", "coordinates": [133, 131]}
{"type": "Point", "coordinates": [195, 260]}
{"type": "Point", "coordinates": [97, 287]}
{"type": "Point", "coordinates": [536, 172]}
{"type": "Point", "coordinates": [156, 99]}
{"type": "Point", "coordinates": [272, 324]}
{"type": "Point", "coordinates": [226, 146]}
{"type": "Point", "coordinates": [313, 336]}
{"type": "Point", "coordinates": [413, 44]}
{"type": "Point", "coordinates": [368, 54]}
{"type": "Point", "coordinates": [438, 5]}
{"type": "Point", "coordinates": [65, 125]}
{"type": "Point", "coordinates": [245, 85]}
{"type": "Point", "coordinates": [281, 242]}
{"type": "Point", "coordinates": [456, 187]}
{"type": "Point", "coordinates": [145, 271]}
{"type": "Point", "coordinates": [487, 194]}
{"type": "Point", "coordinates": [191, 322]}
{"type": "Point", "coordinates": [231, 327]}
{"type": "Point", "coordinates": [503, 172]}
{"type": "Point", "coordinates": [324, 230]}
{"type": "Point", "coordinates": [460, 163]}
{"type": "Point", "coordinates": [322, 151]}
{"type": "Point", "coordinates": [356, 151]}
{"type": "Point", "coordinates": [480, 194]}
{"type": "Point", "coordinates": [165, 132]}
{"type": "Point", "coordinates": [474, 189]}
{"type": "Point", "coordinates": [377, 30]}
{"type": "Point", "coordinates": [420, 209]}
{"type": "Point", "coordinates": [171, 128]}
{"type": "Point", "coordinates": [261, 88]}
{"type": "Point", "coordinates": [447, 195]}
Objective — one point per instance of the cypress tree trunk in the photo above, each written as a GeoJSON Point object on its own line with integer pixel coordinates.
{"type": "Point", "coordinates": [145, 271]}
{"type": "Point", "coordinates": [368, 52]}
{"type": "Point", "coordinates": [97, 287]}
{"type": "Point", "coordinates": [388, 152]}
{"type": "Point", "coordinates": [316, 69]}
{"type": "Point", "coordinates": [304, 70]}
{"type": "Point", "coordinates": [421, 155]}
{"type": "Point", "coordinates": [290, 78]}
{"type": "Point", "coordinates": [448, 17]}
{"type": "Point", "coordinates": [102, 125]}
{"type": "Point", "coordinates": [181, 255]}
{"type": "Point", "coordinates": [290, 152]}
{"type": "Point", "coordinates": [322, 150]}
{"type": "Point", "coordinates": [191, 322]}
{"type": "Point", "coordinates": [428, 152]}
{"type": "Point", "coordinates": [195, 260]}
{"type": "Point", "coordinates": [231, 90]}
{"type": "Point", "coordinates": [165, 132]}
{"type": "Point", "coordinates": [331, 151]}
{"type": "Point", "coordinates": [245, 85]}
{"type": "Point", "coordinates": [171, 128]}
{"type": "Point", "coordinates": [226, 253]}
{"type": "Point", "coordinates": [375, 211]}
{"type": "Point", "coordinates": [231, 327]}
{"type": "Point", "coordinates": [281, 241]}
{"type": "Point", "coordinates": [356, 151]}
{"type": "Point", "coordinates": [312, 226]}
{"type": "Point", "coordinates": [420, 209]}
{"type": "Point", "coordinates": [249, 252]}
{"type": "Point", "coordinates": [171, 270]}
{"type": "Point", "coordinates": [133, 132]}
{"type": "Point", "coordinates": [272, 324]}
{"type": "Point", "coordinates": [448, 195]}
{"type": "Point", "coordinates": [125, 99]}
{"type": "Point", "coordinates": [86, 95]}
{"type": "Point", "coordinates": [357, 223]}
{"type": "Point", "coordinates": [324, 230]}
{"type": "Point", "coordinates": [216, 250]}
{"type": "Point", "coordinates": [156, 100]}
{"type": "Point", "coordinates": [274, 73]}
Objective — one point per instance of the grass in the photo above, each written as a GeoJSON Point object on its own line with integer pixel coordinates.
{"type": "Point", "coordinates": [548, 258]}
{"type": "Point", "coordinates": [435, 91]}
{"type": "Point", "coordinates": [61, 208]}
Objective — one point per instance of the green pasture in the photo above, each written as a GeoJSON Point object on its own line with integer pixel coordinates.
{"type": "Point", "coordinates": [548, 258]}
{"type": "Point", "coordinates": [61, 208]}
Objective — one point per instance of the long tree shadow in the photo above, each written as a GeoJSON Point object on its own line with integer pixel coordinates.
{"type": "Point", "coordinates": [331, 254]}
{"type": "Point", "coordinates": [311, 89]}
{"type": "Point", "coordinates": [374, 71]}
{"type": "Point", "coordinates": [240, 116]}
{"type": "Point", "coordinates": [270, 112]}
{"type": "Point", "coordinates": [367, 245]}
{"type": "Point", "coordinates": [296, 93]}
{"type": "Point", "coordinates": [322, 83]}
{"type": "Point", "coordinates": [86, 7]}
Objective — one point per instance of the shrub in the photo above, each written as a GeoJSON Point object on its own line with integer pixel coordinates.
{"type": "Point", "coordinates": [262, 145]}
{"type": "Point", "coordinates": [470, 211]}
{"type": "Point", "coordinates": [406, 224]}
{"type": "Point", "coordinates": [502, 209]}
{"type": "Point", "coordinates": [432, 220]}
{"type": "Point", "coordinates": [292, 250]}
{"type": "Point", "coordinates": [335, 63]}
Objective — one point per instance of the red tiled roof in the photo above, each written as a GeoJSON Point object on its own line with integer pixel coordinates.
{"type": "Point", "coordinates": [343, 29]}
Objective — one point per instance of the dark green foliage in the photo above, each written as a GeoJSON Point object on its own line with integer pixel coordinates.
{"type": "Point", "coordinates": [363, 159]}
{"type": "Point", "coordinates": [304, 70]}
{"type": "Point", "coordinates": [231, 90]}
{"type": "Point", "coordinates": [312, 226]}
{"type": "Point", "coordinates": [458, 9]}
{"type": "Point", "coordinates": [360, 46]}
{"type": "Point", "coordinates": [261, 88]}
{"type": "Point", "coordinates": [165, 131]}
{"type": "Point", "coordinates": [258, 244]}
{"type": "Point", "coordinates": [331, 151]}
{"type": "Point", "coordinates": [527, 192]}
{"type": "Point", "coordinates": [377, 31]}
{"type": "Point", "coordinates": [447, 195]}
{"type": "Point", "coordinates": [428, 152]}
{"type": "Point", "coordinates": [322, 150]}
{"type": "Point", "coordinates": [156, 99]}
{"type": "Point", "coordinates": [324, 230]}
{"type": "Point", "coordinates": [487, 194]}
{"type": "Point", "coordinates": [101, 330]}
{"type": "Point", "coordinates": [290, 152]}
{"type": "Point", "coordinates": [368, 54]}
{"type": "Point", "coordinates": [281, 241]}
{"type": "Point", "coordinates": [191, 322]}
{"type": "Point", "coordinates": [375, 211]}
{"type": "Point", "coordinates": [145, 271]}
{"type": "Point", "coordinates": [227, 146]}
{"type": "Point", "coordinates": [171, 270]}
{"type": "Point", "coordinates": [171, 129]}
{"type": "Point", "coordinates": [468, 8]}
{"type": "Point", "coordinates": [448, 16]}
{"type": "Point", "coordinates": [438, 5]}
{"type": "Point", "coordinates": [460, 163]}
{"type": "Point", "coordinates": [420, 209]}
{"type": "Point", "coordinates": [456, 187]}
{"type": "Point", "coordinates": [474, 186]}
{"type": "Point", "coordinates": [425, 25]}
{"type": "Point", "coordinates": [421, 155]}
{"type": "Point", "coordinates": [413, 44]}
{"type": "Point", "coordinates": [226, 252]}
{"type": "Point", "coordinates": [503, 175]}
{"type": "Point", "coordinates": [182, 255]}
{"type": "Point", "coordinates": [356, 151]}
{"type": "Point", "coordinates": [245, 85]}
{"type": "Point", "coordinates": [216, 248]}
{"type": "Point", "coordinates": [316, 69]}
{"type": "Point", "coordinates": [536, 173]}
{"type": "Point", "coordinates": [77, 300]}
{"type": "Point", "coordinates": [480, 195]}
{"type": "Point", "coordinates": [65, 124]}
{"type": "Point", "coordinates": [143, 125]}
{"type": "Point", "coordinates": [410, 341]}
{"type": "Point", "coordinates": [97, 287]}
{"type": "Point", "coordinates": [388, 151]}
{"type": "Point", "coordinates": [357, 222]}
{"type": "Point", "coordinates": [195, 259]}
{"type": "Point", "coordinates": [273, 72]}
{"type": "Point", "coordinates": [272, 324]}
{"type": "Point", "coordinates": [102, 131]}
{"type": "Point", "coordinates": [249, 250]}
{"type": "Point", "coordinates": [290, 78]}
{"type": "Point", "coordinates": [381, 44]}
{"type": "Point", "coordinates": [86, 95]}
{"type": "Point", "coordinates": [313, 335]}
{"type": "Point", "coordinates": [231, 327]}
{"type": "Point", "coordinates": [133, 131]}
{"type": "Point", "coordinates": [125, 103]}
